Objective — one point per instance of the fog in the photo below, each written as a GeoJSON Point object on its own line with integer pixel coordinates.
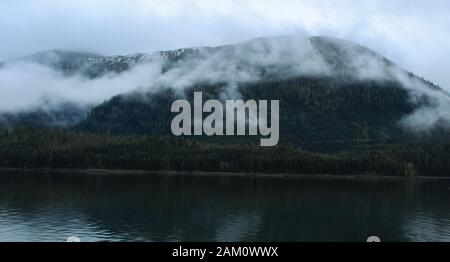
{"type": "Point", "coordinates": [26, 84]}
{"type": "Point", "coordinates": [416, 37]}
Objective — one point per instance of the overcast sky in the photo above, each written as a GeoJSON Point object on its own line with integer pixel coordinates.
{"type": "Point", "coordinates": [414, 34]}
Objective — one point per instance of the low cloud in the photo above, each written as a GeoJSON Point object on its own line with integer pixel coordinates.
{"type": "Point", "coordinates": [414, 35]}
{"type": "Point", "coordinates": [26, 85]}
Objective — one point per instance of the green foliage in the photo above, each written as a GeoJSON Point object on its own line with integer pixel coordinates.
{"type": "Point", "coordinates": [316, 113]}
{"type": "Point", "coordinates": [56, 148]}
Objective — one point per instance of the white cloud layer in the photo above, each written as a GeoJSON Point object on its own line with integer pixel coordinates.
{"type": "Point", "coordinates": [415, 35]}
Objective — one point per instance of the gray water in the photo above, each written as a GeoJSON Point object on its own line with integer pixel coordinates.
{"type": "Point", "coordinates": [52, 207]}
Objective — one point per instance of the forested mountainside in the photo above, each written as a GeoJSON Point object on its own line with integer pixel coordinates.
{"type": "Point", "coordinates": [331, 91]}
{"type": "Point", "coordinates": [315, 113]}
{"type": "Point", "coordinates": [343, 109]}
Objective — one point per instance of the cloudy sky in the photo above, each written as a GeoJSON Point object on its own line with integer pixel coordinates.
{"type": "Point", "coordinates": [416, 35]}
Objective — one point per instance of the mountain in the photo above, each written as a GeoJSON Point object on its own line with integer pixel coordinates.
{"type": "Point", "coordinates": [344, 109]}
{"type": "Point", "coordinates": [338, 56]}
{"type": "Point", "coordinates": [95, 65]}
{"type": "Point", "coordinates": [333, 94]}
{"type": "Point", "coordinates": [68, 63]}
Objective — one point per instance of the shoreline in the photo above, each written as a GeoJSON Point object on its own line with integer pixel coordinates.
{"type": "Point", "coordinates": [354, 177]}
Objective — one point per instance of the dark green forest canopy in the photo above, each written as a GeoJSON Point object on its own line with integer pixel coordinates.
{"type": "Point", "coordinates": [316, 113]}
{"type": "Point", "coordinates": [57, 148]}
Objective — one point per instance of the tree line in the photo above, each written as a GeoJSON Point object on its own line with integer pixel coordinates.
{"type": "Point", "coordinates": [59, 148]}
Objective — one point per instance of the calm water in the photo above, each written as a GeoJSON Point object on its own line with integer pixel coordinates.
{"type": "Point", "coordinates": [51, 207]}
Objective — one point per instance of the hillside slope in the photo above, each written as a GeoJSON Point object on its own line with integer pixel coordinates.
{"type": "Point", "coordinates": [332, 93]}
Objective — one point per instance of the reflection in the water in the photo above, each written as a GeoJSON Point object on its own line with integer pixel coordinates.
{"type": "Point", "coordinates": [51, 207]}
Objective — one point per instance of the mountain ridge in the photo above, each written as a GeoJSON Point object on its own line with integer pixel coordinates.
{"type": "Point", "coordinates": [333, 91]}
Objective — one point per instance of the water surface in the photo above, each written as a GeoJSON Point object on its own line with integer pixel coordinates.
{"type": "Point", "coordinates": [52, 207]}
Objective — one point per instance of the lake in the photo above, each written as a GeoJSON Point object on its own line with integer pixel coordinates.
{"type": "Point", "coordinates": [54, 206]}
